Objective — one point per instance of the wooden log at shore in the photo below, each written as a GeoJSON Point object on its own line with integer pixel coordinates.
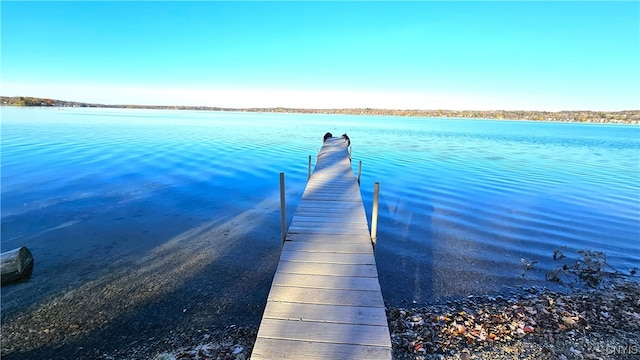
{"type": "Point", "coordinates": [16, 265]}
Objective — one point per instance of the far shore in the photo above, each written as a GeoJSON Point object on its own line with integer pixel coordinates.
{"type": "Point", "coordinates": [580, 116]}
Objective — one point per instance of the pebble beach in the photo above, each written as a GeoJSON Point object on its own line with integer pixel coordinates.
{"type": "Point", "coordinates": [533, 323]}
{"type": "Point", "coordinates": [529, 323]}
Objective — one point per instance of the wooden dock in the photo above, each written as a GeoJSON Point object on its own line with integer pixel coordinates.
{"type": "Point", "coordinates": [325, 300]}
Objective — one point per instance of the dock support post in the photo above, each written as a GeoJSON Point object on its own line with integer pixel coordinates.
{"type": "Point", "coordinates": [374, 213]}
{"type": "Point", "coordinates": [309, 169]}
{"type": "Point", "coordinates": [283, 217]}
{"type": "Point", "coordinates": [359, 170]}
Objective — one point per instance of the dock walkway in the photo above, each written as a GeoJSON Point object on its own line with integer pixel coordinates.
{"type": "Point", "coordinates": [325, 300]}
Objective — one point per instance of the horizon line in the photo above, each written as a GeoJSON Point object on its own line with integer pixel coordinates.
{"type": "Point", "coordinates": [115, 105]}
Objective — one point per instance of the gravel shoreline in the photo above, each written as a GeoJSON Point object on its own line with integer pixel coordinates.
{"type": "Point", "coordinates": [601, 323]}
{"type": "Point", "coordinates": [529, 323]}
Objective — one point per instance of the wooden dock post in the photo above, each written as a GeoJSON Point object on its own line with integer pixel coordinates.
{"type": "Point", "coordinates": [283, 209]}
{"type": "Point", "coordinates": [309, 169]}
{"type": "Point", "coordinates": [325, 300]}
{"type": "Point", "coordinates": [374, 213]}
{"type": "Point", "coordinates": [359, 170]}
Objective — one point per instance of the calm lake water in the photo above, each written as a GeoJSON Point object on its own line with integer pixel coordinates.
{"type": "Point", "coordinates": [463, 202]}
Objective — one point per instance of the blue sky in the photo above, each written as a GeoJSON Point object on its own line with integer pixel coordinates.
{"type": "Point", "coordinates": [409, 55]}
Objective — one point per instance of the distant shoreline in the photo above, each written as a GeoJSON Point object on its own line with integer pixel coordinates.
{"type": "Point", "coordinates": [605, 117]}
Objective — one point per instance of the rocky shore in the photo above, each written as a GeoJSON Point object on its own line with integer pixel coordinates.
{"type": "Point", "coordinates": [533, 324]}
{"type": "Point", "coordinates": [530, 323]}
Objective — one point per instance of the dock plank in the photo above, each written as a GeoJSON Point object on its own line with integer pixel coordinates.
{"type": "Point", "coordinates": [331, 238]}
{"type": "Point", "coordinates": [321, 257]}
{"type": "Point", "coordinates": [317, 216]}
{"type": "Point", "coordinates": [325, 332]}
{"type": "Point", "coordinates": [325, 230]}
{"type": "Point", "coordinates": [357, 315]}
{"type": "Point", "coordinates": [330, 206]}
{"type": "Point", "coordinates": [347, 222]}
{"type": "Point", "coordinates": [329, 247]}
{"type": "Point", "coordinates": [295, 349]}
{"type": "Point", "coordinates": [325, 296]}
{"type": "Point", "coordinates": [344, 215]}
{"type": "Point", "coordinates": [327, 282]}
{"type": "Point", "coordinates": [315, 268]}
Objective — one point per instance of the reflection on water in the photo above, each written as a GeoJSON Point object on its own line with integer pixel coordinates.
{"type": "Point", "coordinates": [462, 201]}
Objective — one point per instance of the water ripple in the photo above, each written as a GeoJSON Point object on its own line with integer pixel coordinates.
{"type": "Point", "coordinates": [462, 202]}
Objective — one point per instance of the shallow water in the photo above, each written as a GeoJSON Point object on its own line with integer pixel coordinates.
{"type": "Point", "coordinates": [462, 203]}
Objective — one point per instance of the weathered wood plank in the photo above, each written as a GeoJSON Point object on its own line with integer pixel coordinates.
{"type": "Point", "coordinates": [357, 315]}
{"type": "Point", "coordinates": [329, 206]}
{"type": "Point", "coordinates": [331, 195]}
{"type": "Point", "coordinates": [332, 198]}
{"type": "Point", "coordinates": [355, 214]}
{"type": "Point", "coordinates": [321, 230]}
{"type": "Point", "coordinates": [351, 215]}
{"type": "Point", "coordinates": [330, 238]}
{"type": "Point", "coordinates": [348, 221]}
{"type": "Point", "coordinates": [331, 209]}
{"type": "Point", "coordinates": [336, 188]}
{"type": "Point", "coordinates": [319, 217]}
{"type": "Point", "coordinates": [344, 227]}
{"type": "Point", "coordinates": [331, 232]}
{"type": "Point", "coordinates": [330, 185]}
{"type": "Point", "coordinates": [319, 185]}
{"type": "Point", "coordinates": [305, 256]}
{"type": "Point", "coordinates": [327, 282]}
{"type": "Point", "coordinates": [325, 184]}
{"type": "Point", "coordinates": [295, 267]}
{"type": "Point", "coordinates": [328, 247]}
{"type": "Point", "coordinates": [336, 192]}
{"type": "Point", "coordinates": [337, 173]}
{"type": "Point", "coordinates": [341, 180]}
{"type": "Point", "coordinates": [332, 205]}
{"type": "Point", "coordinates": [332, 166]}
{"type": "Point", "coordinates": [325, 332]}
{"type": "Point", "coordinates": [293, 349]}
{"type": "Point", "coordinates": [326, 296]}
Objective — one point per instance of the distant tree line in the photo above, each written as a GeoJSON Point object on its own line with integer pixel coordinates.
{"type": "Point", "coordinates": [27, 101]}
{"type": "Point", "coordinates": [623, 117]}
